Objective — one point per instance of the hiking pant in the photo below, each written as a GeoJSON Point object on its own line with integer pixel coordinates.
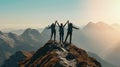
{"type": "Point", "coordinates": [69, 33]}
{"type": "Point", "coordinates": [61, 37]}
{"type": "Point", "coordinates": [53, 32]}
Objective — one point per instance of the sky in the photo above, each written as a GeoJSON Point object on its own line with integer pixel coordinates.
{"type": "Point", "coordinates": [19, 14]}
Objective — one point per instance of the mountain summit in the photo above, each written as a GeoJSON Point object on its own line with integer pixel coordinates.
{"type": "Point", "coordinates": [32, 34]}
{"type": "Point", "coordinates": [32, 37]}
{"type": "Point", "coordinates": [98, 26]}
{"type": "Point", "coordinates": [53, 54]}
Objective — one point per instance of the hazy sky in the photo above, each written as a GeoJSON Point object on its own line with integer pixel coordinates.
{"type": "Point", "coordinates": [39, 13]}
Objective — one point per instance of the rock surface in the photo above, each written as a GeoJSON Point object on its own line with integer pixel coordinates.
{"type": "Point", "coordinates": [53, 54]}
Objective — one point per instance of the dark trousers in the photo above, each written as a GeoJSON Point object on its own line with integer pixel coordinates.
{"type": "Point", "coordinates": [69, 34]}
{"type": "Point", "coordinates": [53, 33]}
{"type": "Point", "coordinates": [61, 37]}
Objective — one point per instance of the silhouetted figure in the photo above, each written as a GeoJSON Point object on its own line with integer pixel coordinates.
{"type": "Point", "coordinates": [61, 31]}
{"type": "Point", "coordinates": [53, 30]}
{"type": "Point", "coordinates": [69, 31]}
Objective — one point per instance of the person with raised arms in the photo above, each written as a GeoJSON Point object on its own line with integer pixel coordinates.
{"type": "Point", "coordinates": [61, 31]}
{"type": "Point", "coordinates": [69, 31]}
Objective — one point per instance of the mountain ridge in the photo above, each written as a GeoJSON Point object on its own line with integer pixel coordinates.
{"type": "Point", "coordinates": [80, 38]}
{"type": "Point", "coordinates": [10, 43]}
{"type": "Point", "coordinates": [98, 26]}
{"type": "Point", "coordinates": [53, 55]}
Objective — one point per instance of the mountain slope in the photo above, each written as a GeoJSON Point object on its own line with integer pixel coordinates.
{"type": "Point", "coordinates": [10, 43]}
{"type": "Point", "coordinates": [14, 59]}
{"type": "Point", "coordinates": [103, 62]}
{"type": "Point", "coordinates": [32, 37]}
{"type": "Point", "coordinates": [112, 54]}
{"type": "Point", "coordinates": [53, 55]}
{"type": "Point", "coordinates": [98, 26]}
{"type": "Point", "coordinates": [98, 35]}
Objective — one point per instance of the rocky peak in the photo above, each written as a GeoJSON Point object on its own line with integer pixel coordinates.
{"type": "Point", "coordinates": [103, 25]}
{"type": "Point", "coordinates": [31, 35]}
{"type": "Point", "coordinates": [31, 31]}
{"type": "Point", "coordinates": [98, 26]}
{"type": "Point", "coordinates": [89, 25]}
{"type": "Point", "coordinates": [12, 35]}
{"type": "Point", "coordinates": [53, 54]}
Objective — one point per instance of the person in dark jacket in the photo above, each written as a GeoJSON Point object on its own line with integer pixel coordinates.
{"type": "Point", "coordinates": [69, 31]}
{"type": "Point", "coordinates": [53, 30]}
{"type": "Point", "coordinates": [61, 31]}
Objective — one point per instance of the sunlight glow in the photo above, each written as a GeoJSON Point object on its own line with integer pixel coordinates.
{"type": "Point", "coordinates": [103, 10]}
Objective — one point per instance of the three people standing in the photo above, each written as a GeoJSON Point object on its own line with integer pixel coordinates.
{"type": "Point", "coordinates": [61, 31]}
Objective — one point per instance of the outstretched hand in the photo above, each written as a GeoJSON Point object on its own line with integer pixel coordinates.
{"type": "Point", "coordinates": [75, 27]}
{"type": "Point", "coordinates": [68, 21]}
{"type": "Point", "coordinates": [56, 22]}
{"type": "Point", "coordinates": [78, 28]}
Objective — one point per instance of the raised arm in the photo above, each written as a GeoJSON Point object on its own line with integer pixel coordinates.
{"type": "Point", "coordinates": [57, 23]}
{"type": "Point", "coordinates": [66, 23]}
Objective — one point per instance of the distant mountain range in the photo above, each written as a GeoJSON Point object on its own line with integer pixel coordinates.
{"type": "Point", "coordinates": [16, 58]}
{"type": "Point", "coordinates": [102, 39]}
{"type": "Point", "coordinates": [10, 42]}
{"type": "Point", "coordinates": [20, 31]}
{"type": "Point", "coordinates": [93, 37]}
